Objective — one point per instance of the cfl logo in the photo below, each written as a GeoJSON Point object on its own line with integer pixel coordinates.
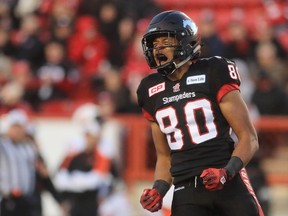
{"type": "Point", "coordinates": [156, 89]}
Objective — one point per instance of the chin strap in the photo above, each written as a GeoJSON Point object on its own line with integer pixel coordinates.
{"type": "Point", "coordinates": [171, 67]}
{"type": "Point", "coordinates": [182, 63]}
{"type": "Point", "coordinates": [188, 58]}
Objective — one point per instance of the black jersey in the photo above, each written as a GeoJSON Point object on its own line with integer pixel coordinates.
{"type": "Point", "coordinates": [188, 112]}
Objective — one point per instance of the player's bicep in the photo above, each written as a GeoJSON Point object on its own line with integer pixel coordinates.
{"type": "Point", "coordinates": [236, 113]}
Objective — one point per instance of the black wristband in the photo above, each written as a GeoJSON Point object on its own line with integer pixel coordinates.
{"type": "Point", "coordinates": [161, 186]}
{"type": "Point", "coordinates": [234, 165]}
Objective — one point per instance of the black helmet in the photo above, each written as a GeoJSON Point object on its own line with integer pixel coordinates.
{"type": "Point", "coordinates": [172, 24]}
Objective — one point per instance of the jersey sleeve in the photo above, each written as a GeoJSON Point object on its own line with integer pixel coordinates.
{"type": "Point", "coordinates": [142, 98]}
{"type": "Point", "coordinates": [140, 95]}
{"type": "Point", "coordinates": [224, 77]}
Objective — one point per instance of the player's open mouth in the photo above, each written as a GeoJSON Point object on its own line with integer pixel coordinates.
{"type": "Point", "coordinates": [161, 58]}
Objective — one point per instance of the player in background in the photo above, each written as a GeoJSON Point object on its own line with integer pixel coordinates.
{"type": "Point", "coordinates": [192, 105]}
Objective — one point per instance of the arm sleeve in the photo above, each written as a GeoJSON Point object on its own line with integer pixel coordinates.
{"type": "Point", "coordinates": [78, 181]}
{"type": "Point", "coordinates": [224, 77]}
{"type": "Point", "coordinates": [141, 102]}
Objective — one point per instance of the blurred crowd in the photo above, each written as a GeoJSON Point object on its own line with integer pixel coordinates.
{"type": "Point", "coordinates": [71, 50]}
{"type": "Point", "coordinates": [88, 50]}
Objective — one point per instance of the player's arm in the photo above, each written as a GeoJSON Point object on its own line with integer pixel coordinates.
{"type": "Point", "coordinates": [151, 199]}
{"type": "Point", "coordinates": [162, 169]}
{"type": "Point", "coordinates": [236, 113]}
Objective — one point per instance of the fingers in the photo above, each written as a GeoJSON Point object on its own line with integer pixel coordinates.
{"type": "Point", "coordinates": [208, 177]}
{"type": "Point", "coordinates": [204, 173]}
{"type": "Point", "coordinates": [145, 192]}
{"type": "Point", "coordinates": [151, 200]}
{"type": "Point", "coordinates": [211, 178]}
{"type": "Point", "coordinates": [154, 200]}
{"type": "Point", "coordinates": [211, 187]}
{"type": "Point", "coordinates": [148, 202]}
{"type": "Point", "coordinates": [156, 207]}
{"type": "Point", "coordinates": [144, 200]}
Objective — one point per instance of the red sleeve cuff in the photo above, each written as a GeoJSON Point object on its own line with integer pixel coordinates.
{"type": "Point", "coordinates": [225, 89]}
{"type": "Point", "coordinates": [147, 115]}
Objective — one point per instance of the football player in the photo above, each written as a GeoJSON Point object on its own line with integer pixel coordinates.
{"type": "Point", "coordinates": [192, 105]}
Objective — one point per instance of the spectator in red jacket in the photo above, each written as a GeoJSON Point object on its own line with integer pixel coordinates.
{"type": "Point", "coordinates": [87, 47]}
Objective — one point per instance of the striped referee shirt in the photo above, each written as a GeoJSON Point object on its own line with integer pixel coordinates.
{"type": "Point", "coordinates": [17, 167]}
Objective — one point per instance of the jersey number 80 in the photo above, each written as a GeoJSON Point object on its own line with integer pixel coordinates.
{"type": "Point", "coordinates": [174, 135]}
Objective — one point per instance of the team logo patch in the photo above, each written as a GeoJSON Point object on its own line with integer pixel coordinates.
{"type": "Point", "coordinates": [156, 89]}
{"type": "Point", "coordinates": [196, 79]}
{"type": "Point", "coordinates": [176, 87]}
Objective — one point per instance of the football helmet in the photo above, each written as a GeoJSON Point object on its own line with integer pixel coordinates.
{"type": "Point", "coordinates": [172, 24]}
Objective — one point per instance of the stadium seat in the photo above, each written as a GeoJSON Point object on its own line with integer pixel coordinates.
{"type": "Point", "coordinates": [182, 4]}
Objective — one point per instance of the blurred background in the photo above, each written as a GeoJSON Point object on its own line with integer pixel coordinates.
{"type": "Point", "coordinates": [70, 68]}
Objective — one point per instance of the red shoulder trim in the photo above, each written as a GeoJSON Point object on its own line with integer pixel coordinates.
{"type": "Point", "coordinates": [147, 115]}
{"type": "Point", "coordinates": [225, 89]}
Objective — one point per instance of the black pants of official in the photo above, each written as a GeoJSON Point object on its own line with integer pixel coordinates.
{"type": "Point", "coordinates": [237, 198]}
{"type": "Point", "coordinates": [82, 204]}
{"type": "Point", "coordinates": [21, 206]}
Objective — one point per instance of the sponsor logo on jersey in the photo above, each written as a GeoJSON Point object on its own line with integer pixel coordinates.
{"type": "Point", "coordinates": [156, 89]}
{"type": "Point", "coordinates": [196, 79]}
{"type": "Point", "coordinates": [178, 97]}
{"type": "Point", "coordinates": [176, 87]}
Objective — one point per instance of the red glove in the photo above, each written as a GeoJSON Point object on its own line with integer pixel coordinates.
{"type": "Point", "coordinates": [151, 200]}
{"type": "Point", "coordinates": [214, 179]}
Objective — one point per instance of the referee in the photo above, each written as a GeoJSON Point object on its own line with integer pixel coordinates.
{"type": "Point", "coordinates": [18, 155]}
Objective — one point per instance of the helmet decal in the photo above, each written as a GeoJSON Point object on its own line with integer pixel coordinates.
{"type": "Point", "coordinates": [188, 24]}
{"type": "Point", "coordinates": [153, 29]}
